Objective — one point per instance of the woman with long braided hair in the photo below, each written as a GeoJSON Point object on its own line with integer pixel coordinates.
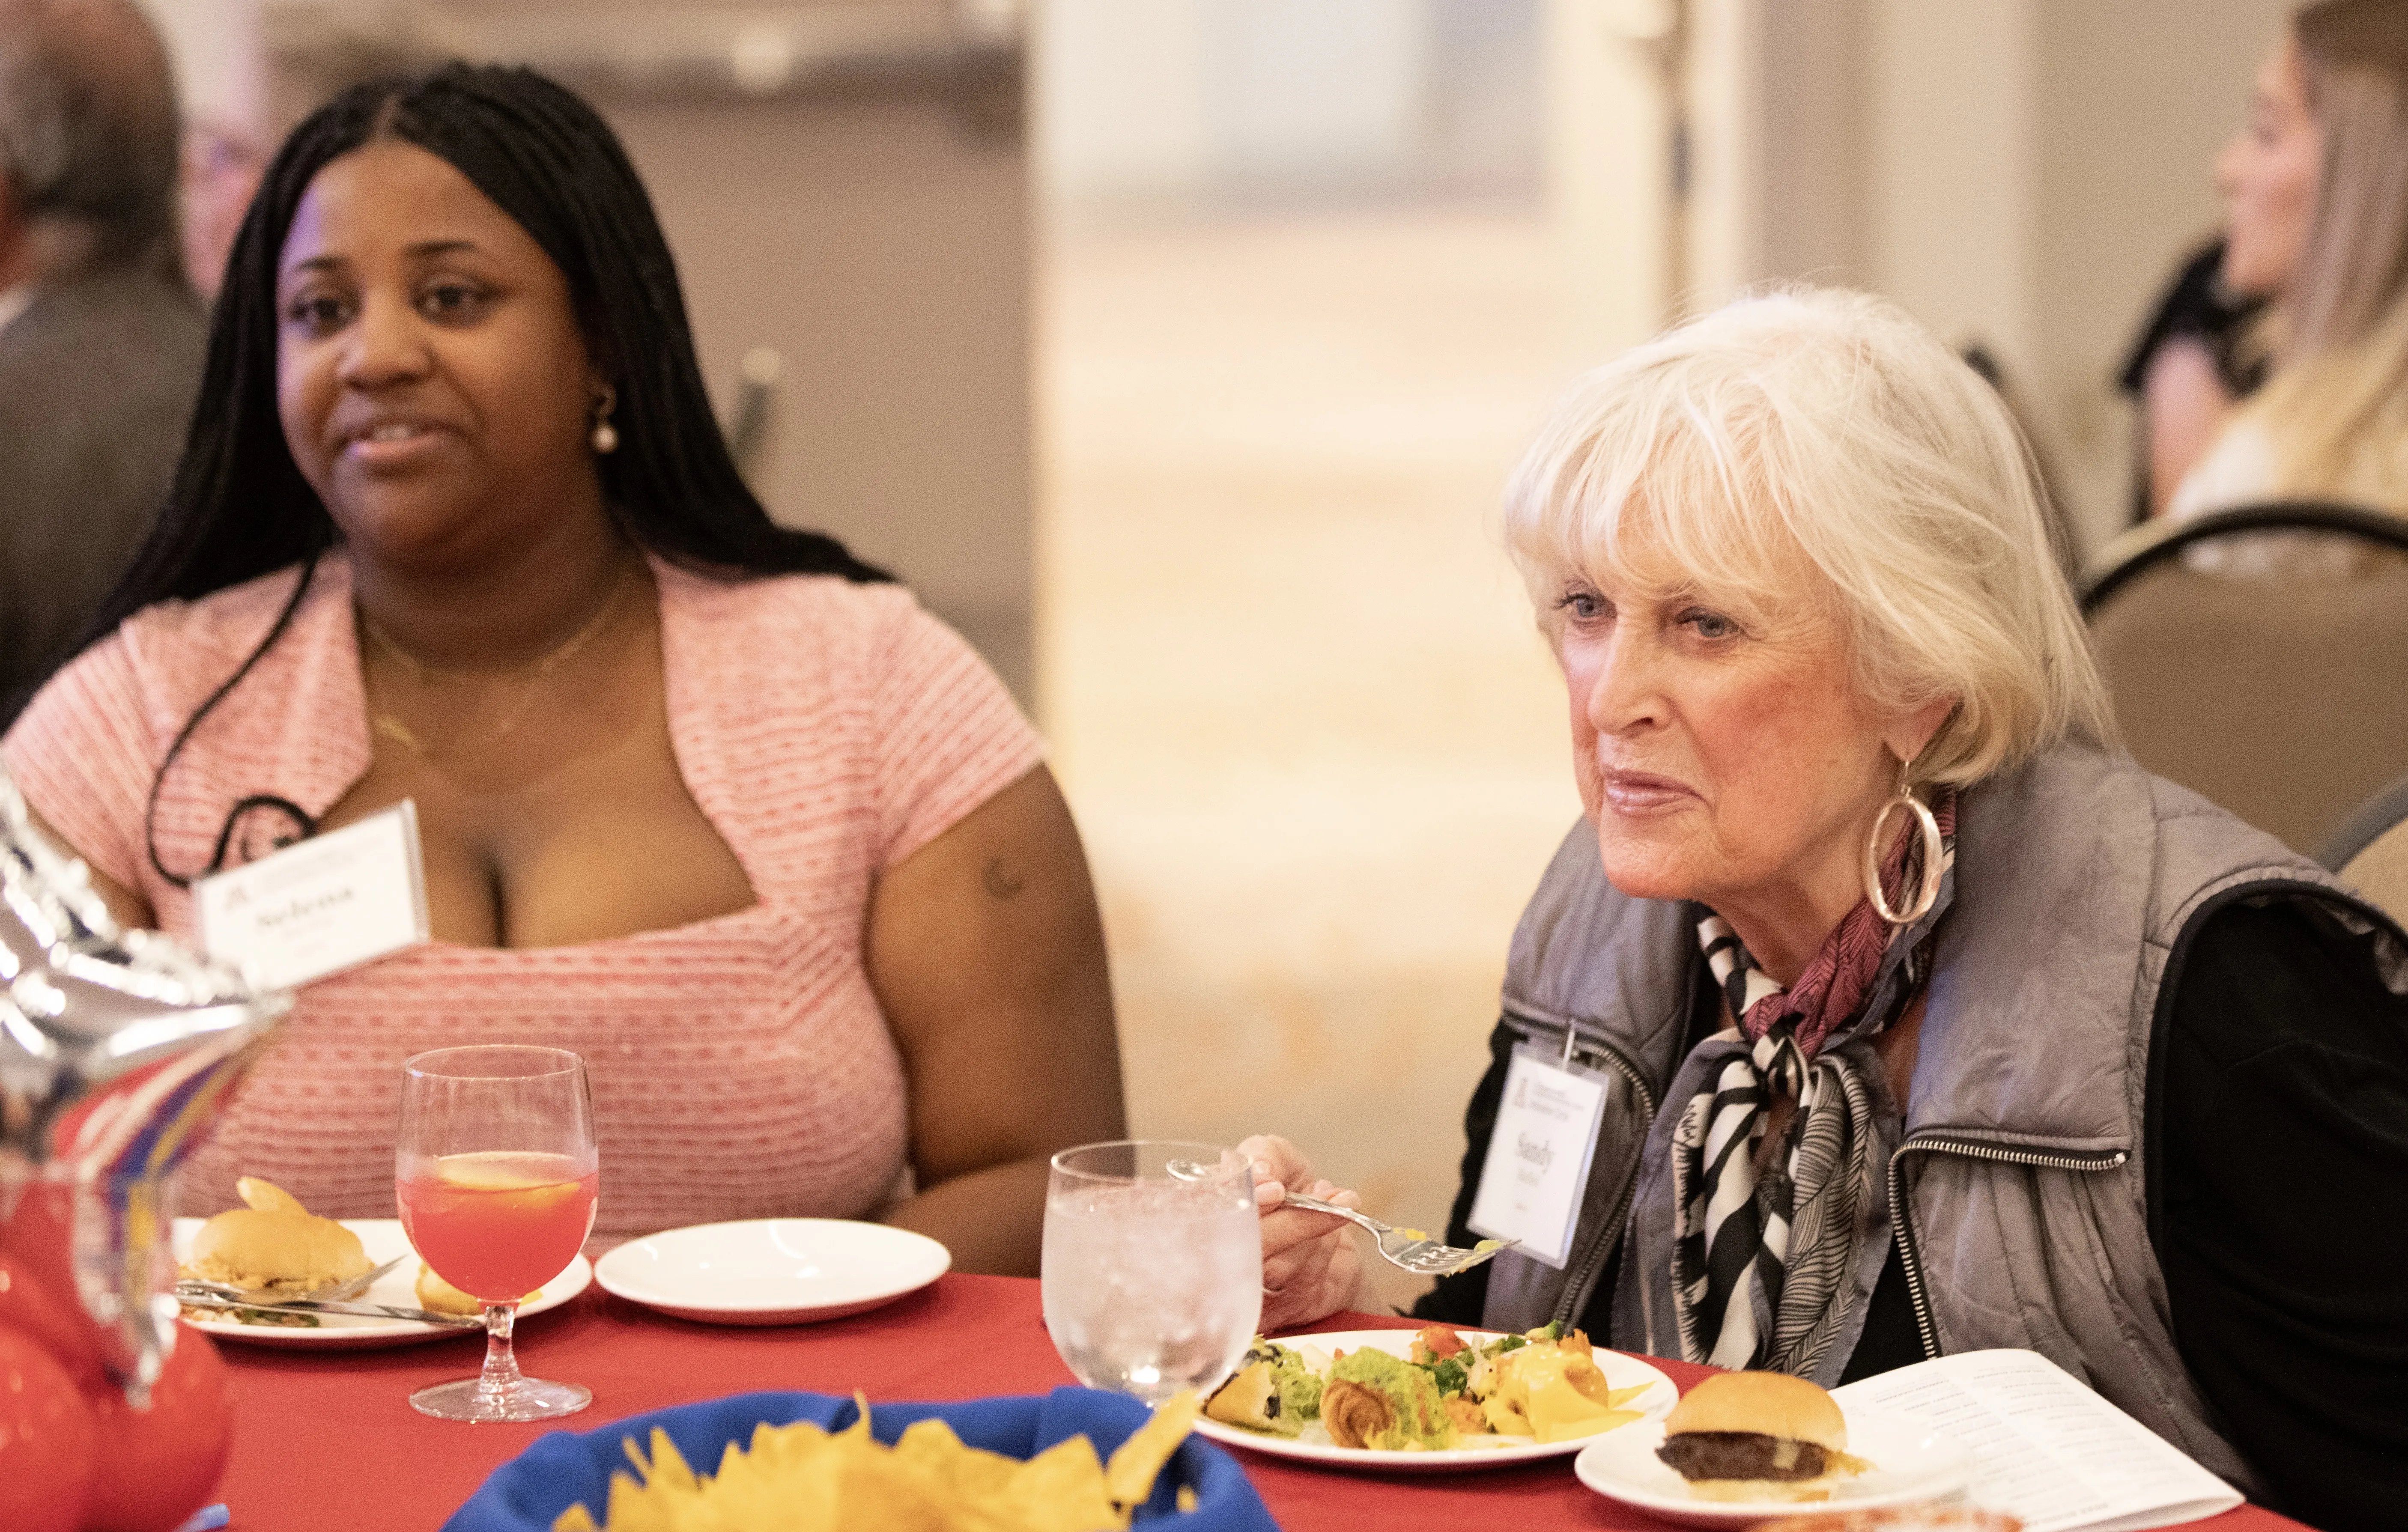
{"type": "Point", "coordinates": [709, 801]}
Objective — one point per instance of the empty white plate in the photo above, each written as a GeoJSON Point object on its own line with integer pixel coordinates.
{"type": "Point", "coordinates": [772, 1270]}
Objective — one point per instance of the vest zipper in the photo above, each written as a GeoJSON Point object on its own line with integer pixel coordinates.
{"type": "Point", "coordinates": [1901, 1216]}
{"type": "Point", "coordinates": [1592, 1259]}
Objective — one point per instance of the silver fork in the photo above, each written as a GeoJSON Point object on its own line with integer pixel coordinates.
{"type": "Point", "coordinates": [1409, 1249]}
{"type": "Point", "coordinates": [267, 1298]}
{"type": "Point", "coordinates": [195, 1295]}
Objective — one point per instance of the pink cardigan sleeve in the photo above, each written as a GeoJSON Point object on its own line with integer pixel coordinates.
{"type": "Point", "coordinates": [946, 735]}
{"type": "Point", "coordinates": [83, 755]}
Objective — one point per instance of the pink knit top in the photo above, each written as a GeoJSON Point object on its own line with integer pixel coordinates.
{"type": "Point", "coordinates": [740, 1066]}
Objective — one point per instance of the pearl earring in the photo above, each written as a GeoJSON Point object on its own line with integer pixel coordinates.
{"type": "Point", "coordinates": [605, 436]}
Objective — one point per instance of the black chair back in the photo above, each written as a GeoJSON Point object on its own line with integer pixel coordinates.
{"type": "Point", "coordinates": [2370, 851]}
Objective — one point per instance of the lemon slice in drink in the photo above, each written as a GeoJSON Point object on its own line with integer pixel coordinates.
{"type": "Point", "coordinates": [537, 1185]}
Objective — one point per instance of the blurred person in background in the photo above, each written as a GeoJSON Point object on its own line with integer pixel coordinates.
{"type": "Point", "coordinates": [701, 798]}
{"type": "Point", "coordinates": [2191, 367]}
{"type": "Point", "coordinates": [222, 165]}
{"type": "Point", "coordinates": [2315, 187]}
{"type": "Point", "coordinates": [1868, 916]}
{"type": "Point", "coordinates": [100, 336]}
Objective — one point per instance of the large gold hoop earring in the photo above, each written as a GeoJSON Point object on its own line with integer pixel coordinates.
{"type": "Point", "coordinates": [1927, 892]}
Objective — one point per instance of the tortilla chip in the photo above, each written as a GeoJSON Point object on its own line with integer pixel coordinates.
{"type": "Point", "coordinates": [1129, 1477]}
{"type": "Point", "coordinates": [800, 1478]}
{"type": "Point", "coordinates": [1068, 1481]}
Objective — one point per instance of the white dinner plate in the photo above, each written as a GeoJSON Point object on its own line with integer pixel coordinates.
{"type": "Point", "coordinates": [382, 1238]}
{"type": "Point", "coordinates": [1314, 1446]}
{"type": "Point", "coordinates": [772, 1270]}
{"type": "Point", "coordinates": [1910, 1462]}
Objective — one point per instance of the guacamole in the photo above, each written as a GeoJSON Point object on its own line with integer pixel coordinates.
{"type": "Point", "coordinates": [1420, 1417]}
{"type": "Point", "coordinates": [1300, 1386]}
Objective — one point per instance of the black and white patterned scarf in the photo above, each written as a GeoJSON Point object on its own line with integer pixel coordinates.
{"type": "Point", "coordinates": [1773, 1252]}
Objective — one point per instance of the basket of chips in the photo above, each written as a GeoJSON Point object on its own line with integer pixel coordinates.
{"type": "Point", "coordinates": [1074, 1460]}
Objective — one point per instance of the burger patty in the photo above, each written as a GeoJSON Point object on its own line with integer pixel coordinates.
{"type": "Point", "coordinates": [1741, 1455]}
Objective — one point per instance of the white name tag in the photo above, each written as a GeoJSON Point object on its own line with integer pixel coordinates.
{"type": "Point", "coordinates": [333, 902]}
{"type": "Point", "coordinates": [1539, 1155]}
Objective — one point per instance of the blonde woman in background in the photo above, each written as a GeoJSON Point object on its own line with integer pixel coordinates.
{"type": "Point", "coordinates": [2316, 190]}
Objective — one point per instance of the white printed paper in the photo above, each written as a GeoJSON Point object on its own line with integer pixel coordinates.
{"type": "Point", "coordinates": [333, 902]}
{"type": "Point", "coordinates": [1539, 1156]}
{"type": "Point", "coordinates": [2047, 1449]}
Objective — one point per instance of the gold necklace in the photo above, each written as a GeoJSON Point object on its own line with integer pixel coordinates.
{"type": "Point", "coordinates": [383, 722]}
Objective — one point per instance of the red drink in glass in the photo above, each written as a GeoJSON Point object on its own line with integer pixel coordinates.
{"type": "Point", "coordinates": [497, 1225]}
{"type": "Point", "coordinates": [495, 1170]}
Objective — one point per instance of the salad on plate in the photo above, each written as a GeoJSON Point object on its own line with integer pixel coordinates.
{"type": "Point", "coordinates": [1446, 1392]}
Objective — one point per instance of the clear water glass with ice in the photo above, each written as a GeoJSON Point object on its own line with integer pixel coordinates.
{"type": "Point", "coordinates": [1153, 1282]}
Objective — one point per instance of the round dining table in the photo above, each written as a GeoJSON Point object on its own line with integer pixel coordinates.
{"type": "Point", "coordinates": [327, 1438]}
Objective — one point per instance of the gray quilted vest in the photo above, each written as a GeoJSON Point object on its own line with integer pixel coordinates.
{"type": "Point", "coordinates": [2015, 1175]}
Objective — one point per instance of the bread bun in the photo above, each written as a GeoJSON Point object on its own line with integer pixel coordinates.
{"type": "Point", "coordinates": [267, 1196]}
{"type": "Point", "coordinates": [1924, 1516]}
{"type": "Point", "coordinates": [296, 1252]}
{"type": "Point", "coordinates": [1770, 1404]}
{"type": "Point", "coordinates": [1751, 1491]}
{"type": "Point", "coordinates": [443, 1298]}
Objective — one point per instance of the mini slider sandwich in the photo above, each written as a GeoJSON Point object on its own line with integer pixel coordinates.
{"type": "Point", "coordinates": [274, 1245]}
{"type": "Point", "coordinates": [1759, 1436]}
{"type": "Point", "coordinates": [436, 1295]}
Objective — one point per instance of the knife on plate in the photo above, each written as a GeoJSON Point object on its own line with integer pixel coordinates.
{"type": "Point", "coordinates": [317, 1305]}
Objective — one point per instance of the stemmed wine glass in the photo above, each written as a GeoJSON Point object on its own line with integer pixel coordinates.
{"type": "Point", "coordinates": [1153, 1278]}
{"type": "Point", "coordinates": [496, 1174]}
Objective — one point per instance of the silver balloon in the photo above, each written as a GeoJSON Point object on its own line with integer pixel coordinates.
{"type": "Point", "coordinates": [118, 1050]}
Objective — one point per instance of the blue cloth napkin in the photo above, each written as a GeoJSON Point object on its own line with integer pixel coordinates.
{"type": "Point", "coordinates": [526, 1493]}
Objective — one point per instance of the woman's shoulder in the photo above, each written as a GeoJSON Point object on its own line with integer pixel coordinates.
{"type": "Point", "coordinates": [896, 705]}
{"type": "Point", "coordinates": [1583, 947]}
{"type": "Point", "coordinates": [834, 639]}
{"type": "Point", "coordinates": [2081, 825]}
{"type": "Point", "coordinates": [2238, 469]}
{"type": "Point", "coordinates": [2078, 789]}
{"type": "Point", "coordinates": [85, 749]}
{"type": "Point", "coordinates": [177, 641]}
{"type": "Point", "coordinates": [2081, 863]}
{"type": "Point", "coordinates": [2276, 969]}
{"type": "Point", "coordinates": [829, 609]}
{"type": "Point", "coordinates": [169, 652]}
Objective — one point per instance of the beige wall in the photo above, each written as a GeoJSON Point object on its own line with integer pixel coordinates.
{"type": "Point", "coordinates": [215, 43]}
{"type": "Point", "coordinates": [1608, 174]}
{"type": "Point", "coordinates": [1951, 99]}
{"type": "Point", "coordinates": [2137, 97]}
{"type": "Point", "coordinates": [2023, 173]}
{"type": "Point", "coordinates": [2032, 171]}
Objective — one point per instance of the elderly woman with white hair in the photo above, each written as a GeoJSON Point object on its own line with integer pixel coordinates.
{"type": "Point", "coordinates": [1881, 1008]}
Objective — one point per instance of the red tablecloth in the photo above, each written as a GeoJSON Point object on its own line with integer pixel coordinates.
{"type": "Point", "coordinates": [328, 1439]}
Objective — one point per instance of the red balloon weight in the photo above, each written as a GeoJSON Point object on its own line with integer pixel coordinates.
{"type": "Point", "coordinates": [158, 1465]}
{"type": "Point", "coordinates": [37, 1280]}
{"type": "Point", "coordinates": [47, 1439]}
{"type": "Point", "coordinates": [41, 1314]}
